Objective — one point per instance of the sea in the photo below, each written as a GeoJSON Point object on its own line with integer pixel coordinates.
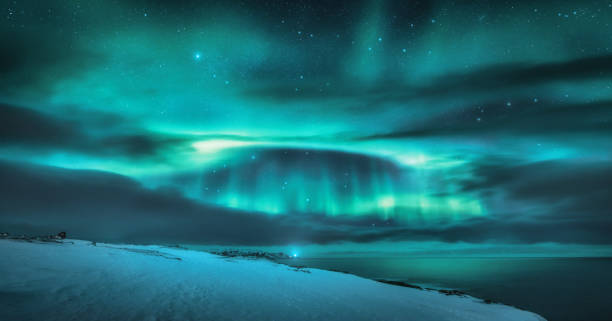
{"type": "Point", "coordinates": [559, 289]}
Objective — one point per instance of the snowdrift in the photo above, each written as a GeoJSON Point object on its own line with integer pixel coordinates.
{"type": "Point", "coordinates": [81, 281]}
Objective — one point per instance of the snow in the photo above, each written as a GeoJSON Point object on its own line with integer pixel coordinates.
{"type": "Point", "coordinates": [80, 281]}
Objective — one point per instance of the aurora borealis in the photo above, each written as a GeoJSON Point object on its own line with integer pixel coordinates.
{"type": "Point", "coordinates": [307, 122]}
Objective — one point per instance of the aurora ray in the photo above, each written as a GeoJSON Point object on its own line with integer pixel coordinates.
{"type": "Point", "coordinates": [351, 121]}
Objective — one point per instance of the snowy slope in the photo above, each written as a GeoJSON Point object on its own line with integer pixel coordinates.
{"type": "Point", "coordinates": [126, 282]}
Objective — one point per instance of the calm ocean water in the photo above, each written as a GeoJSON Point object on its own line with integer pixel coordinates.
{"type": "Point", "coordinates": [559, 289]}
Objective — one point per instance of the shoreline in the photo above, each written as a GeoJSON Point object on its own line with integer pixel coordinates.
{"type": "Point", "coordinates": [271, 257]}
{"type": "Point", "coordinates": [274, 257]}
{"type": "Point", "coordinates": [176, 283]}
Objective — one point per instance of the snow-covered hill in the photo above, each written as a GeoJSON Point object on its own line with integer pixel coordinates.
{"type": "Point", "coordinates": [80, 281]}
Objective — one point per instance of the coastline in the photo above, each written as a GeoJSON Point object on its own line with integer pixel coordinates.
{"type": "Point", "coordinates": [141, 282]}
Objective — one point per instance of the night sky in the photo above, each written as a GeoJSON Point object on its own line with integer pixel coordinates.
{"type": "Point", "coordinates": [453, 123]}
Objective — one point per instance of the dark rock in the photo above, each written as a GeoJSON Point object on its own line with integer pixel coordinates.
{"type": "Point", "coordinates": [399, 283]}
{"type": "Point", "coordinates": [452, 292]}
{"type": "Point", "coordinates": [300, 269]}
{"type": "Point", "coordinates": [251, 254]}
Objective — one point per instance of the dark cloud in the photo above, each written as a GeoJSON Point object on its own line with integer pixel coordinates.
{"type": "Point", "coordinates": [576, 191]}
{"type": "Point", "coordinates": [312, 166]}
{"type": "Point", "coordinates": [35, 56]}
{"type": "Point", "coordinates": [508, 231]}
{"type": "Point", "coordinates": [107, 207]}
{"type": "Point", "coordinates": [527, 117]}
{"type": "Point", "coordinates": [508, 76]}
{"type": "Point", "coordinates": [102, 206]}
{"type": "Point", "coordinates": [33, 130]}
{"type": "Point", "coordinates": [494, 78]}
{"type": "Point", "coordinates": [26, 126]}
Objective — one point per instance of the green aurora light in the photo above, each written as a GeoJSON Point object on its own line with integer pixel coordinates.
{"type": "Point", "coordinates": [416, 116]}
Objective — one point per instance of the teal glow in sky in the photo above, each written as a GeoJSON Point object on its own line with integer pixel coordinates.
{"type": "Point", "coordinates": [358, 121]}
